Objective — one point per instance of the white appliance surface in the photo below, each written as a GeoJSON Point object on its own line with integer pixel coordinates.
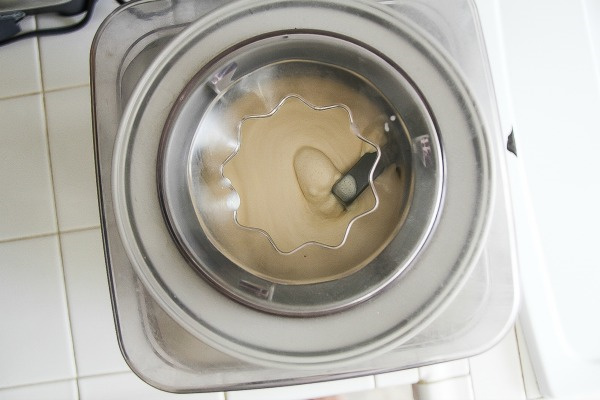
{"type": "Point", "coordinates": [57, 339]}
{"type": "Point", "coordinates": [551, 52]}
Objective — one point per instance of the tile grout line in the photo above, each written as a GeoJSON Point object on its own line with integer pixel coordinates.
{"type": "Point", "coordinates": [39, 383]}
{"type": "Point", "coordinates": [60, 245]}
{"type": "Point", "coordinates": [61, 88]}
{"type": "Point", "coordinates": [44, 235]}
{"type": "Point", "coordinates": [43, 91]}
{"type": "Point", "coordinates": [521, 361]}
{"type": "Point", "coordinates": [105, 374]}
{"type": "Point", "coordinates": [471, 378]}
{"type": "Point", "coordinates": [20, 95]}
{"type": "Point", "coordinates": [28, 237]}
{"type": "Point", "coordinates": [65, 88]}
{"type": "Point", "coordinates": [83, 229]}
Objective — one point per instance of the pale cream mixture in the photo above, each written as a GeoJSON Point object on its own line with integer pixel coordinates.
{"type": "Point", "coordinates": [285, 168]}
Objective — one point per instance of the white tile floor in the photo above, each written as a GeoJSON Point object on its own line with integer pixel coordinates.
{"type": "Point", "coordinates": [94, 340]}
{"type": "Point", "coordinates": [27, 207]}
{"type": "Point", "coordinates": [69, 120]}
{"type": "Point", "coordinates": [35, 340]}
{"type": "Point", "coordinates": [65, 58]}
{"type": "Point", "coordinates": [63, 390]}
{"type": "Point", "coordinates": [20, 66]}
{"type": "Point", "coordinates": [128, 386]}
{"type": "Point", "coordinates": [57, 337]}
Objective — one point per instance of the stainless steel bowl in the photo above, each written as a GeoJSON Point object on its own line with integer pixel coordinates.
{"type": "Point", "coordinates": [244, 263]}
